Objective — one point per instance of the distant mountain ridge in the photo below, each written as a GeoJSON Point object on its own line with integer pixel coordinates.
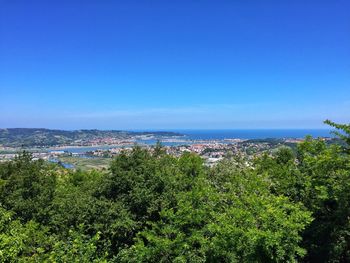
{"type": "Point", "coordinates": [26, 137]}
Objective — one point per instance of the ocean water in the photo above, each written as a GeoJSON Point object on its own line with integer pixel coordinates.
{"type": "Point", "coordinates": [253, 134]}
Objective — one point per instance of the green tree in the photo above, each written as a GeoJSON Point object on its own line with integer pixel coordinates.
{"type": "Point", "coordinates": [27, 187]}
{"type": "Point", "coordinates": [225, 217]}
{"type": "Point", "coordinates": [343, 132]}
{"type": "Point", "coordinates": [77, 248]}
{"type": "Point", "coordinates": [22, 242]}
{"type": "Point", "coordinates": [319, 177]}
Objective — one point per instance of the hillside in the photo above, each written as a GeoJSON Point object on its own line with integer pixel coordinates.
{"type": "Point", "coordinates": [28, 137]}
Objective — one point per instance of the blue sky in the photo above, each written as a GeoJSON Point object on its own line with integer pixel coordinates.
{"type": "Point", "coordinates": [174, 64]}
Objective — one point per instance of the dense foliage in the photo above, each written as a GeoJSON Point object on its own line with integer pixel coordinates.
{"type": "Point", "coordinates": [291, 206]}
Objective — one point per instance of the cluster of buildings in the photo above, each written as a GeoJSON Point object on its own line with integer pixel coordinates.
{"type": "Point", "coordinates": [212, 151]}
{"type": "Point", "coordinates": [109, 141]}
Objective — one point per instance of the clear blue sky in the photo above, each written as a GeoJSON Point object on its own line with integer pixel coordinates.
{"type": "Point", "coordinates": [174, 64]}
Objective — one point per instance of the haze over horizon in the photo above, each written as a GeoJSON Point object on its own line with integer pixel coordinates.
{"type": "Point", "coordinates": [147, 65]}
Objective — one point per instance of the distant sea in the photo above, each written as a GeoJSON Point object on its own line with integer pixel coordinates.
{"type": "Point", "coordinates": [253, 133]}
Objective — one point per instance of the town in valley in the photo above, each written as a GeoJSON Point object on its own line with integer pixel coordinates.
{"type": "Point", "coordinates": [93, 149]}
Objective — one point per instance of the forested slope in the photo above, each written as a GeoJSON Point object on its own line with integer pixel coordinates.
{"type": "Point", "coordinates": [32, 137]}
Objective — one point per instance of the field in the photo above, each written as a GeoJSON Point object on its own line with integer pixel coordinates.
{"type": "Point", "coordinates": [86, 164]}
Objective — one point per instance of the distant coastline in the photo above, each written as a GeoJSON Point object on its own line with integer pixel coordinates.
{"type": "Point", "coordinates": [61, 139]}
